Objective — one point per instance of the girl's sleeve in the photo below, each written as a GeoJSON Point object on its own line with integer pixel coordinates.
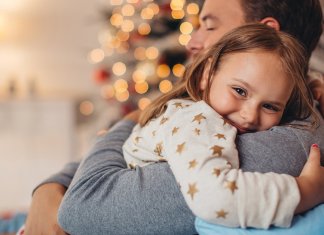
{"type": "Point", "coordinates": [200, 148]}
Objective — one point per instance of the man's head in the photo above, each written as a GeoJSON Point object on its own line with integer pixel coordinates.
{"type": "Point", "coordinates": [300, 18]}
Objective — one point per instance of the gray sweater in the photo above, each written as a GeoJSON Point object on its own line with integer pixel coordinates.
{"type": "Point", "coordinates": [107, 198]}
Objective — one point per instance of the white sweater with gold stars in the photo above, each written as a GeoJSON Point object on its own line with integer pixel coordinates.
{"type": "Point", "coordinates": [200, 149]}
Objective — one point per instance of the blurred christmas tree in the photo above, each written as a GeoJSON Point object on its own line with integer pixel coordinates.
{"type": "Point", "coordinates": [142, 51]}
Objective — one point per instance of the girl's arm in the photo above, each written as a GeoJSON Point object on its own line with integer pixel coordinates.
{"type": "Point", "coordinates": [204, 165]}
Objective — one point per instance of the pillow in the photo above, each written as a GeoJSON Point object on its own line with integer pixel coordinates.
{"type": "Point", "coordinates": [310, 222]}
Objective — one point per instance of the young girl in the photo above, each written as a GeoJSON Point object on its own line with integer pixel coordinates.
{"type": "Point", "coordinates": [251, 80]}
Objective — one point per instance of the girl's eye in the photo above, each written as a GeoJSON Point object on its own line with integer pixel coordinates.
{"type": "Point", "coordinates": [270, 107]}
{"type": "Point", "coordinates": [239, 91]}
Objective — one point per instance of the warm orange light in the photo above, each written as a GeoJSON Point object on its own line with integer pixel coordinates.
{"type": "Point", "coordinates": [141, 88]}
{"type": "Point", "coordinates": [163, 71]}
{"type": "Point", "coordinates": [144, 29]}
{"type": "Point", "coordinates": [128, 10]}
{"type": "Point", "coordinates": [119, 68]}
{"type": "Point", "coordinates": [107, 91]}
{"type": "Point", "coordinates": [143, 103]}
{"type": "Point", "coordinates": [165, 86]}
{"type": "Point", "coordinates": [152, 53]}
{"type": "Point", "coordinates": [86, 108]}
{"type": "Point", "coordinates": [120, 85]}
{"type": "Point", "coordinates": [96, 56]}
{"type": "Point", "coordinates": [177, 14]}
{"type": "Point", "coordinates": [186, 28]}
{"type": "Point", "coordinates": [184, 39]}
{"type": "Point", "coordinates": [139, 53]}
{"type": "Point", "coordinates": [178, 70]}
{"type": "Point", "coordinates": [193, 9]}
{"type": "Point", "coordinates": [147, 13]}
{"type": "Point", "coordinates": [122, 96]}
{"type": "Point", "coordinates": [138, 76]}
{"type": "Point", "coordinates": [127, 26]}
{"type": "Point", "coordinates": [116, 19]}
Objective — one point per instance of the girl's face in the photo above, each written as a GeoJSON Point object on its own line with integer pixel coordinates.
{"type": "Point", "coordinates": [250, 90]}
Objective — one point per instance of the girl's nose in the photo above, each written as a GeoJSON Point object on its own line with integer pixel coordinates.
{"type": "Point", "coordinates": [250, 115]}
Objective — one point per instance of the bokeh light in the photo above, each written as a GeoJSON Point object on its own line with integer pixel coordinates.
{"type": "Point", "coordinates": [128, 10]}
{"type": "Point", "coordinates": [147, 13]}
{"type": "Point", "coordinates": [119, 68]}
{"type": "Point", "coordinates": [140, 53]}
{"type": "Point", "coordinates": [143, 103]}
{"type": "Point", "coordinates": [144, 29]}
{"type": "Point", "coordinates": [122, 36]}
{"type": "Point", "coordinates": [122, 96]}
{"type": "Point", "coordinates": [165, 86]}
{"type": "Point", "coordinates": [193, 9]}
{"type": "Point", "coordinates": [96, 56]}
{"type": "Point", "coordinates": [120, 85]}
{"type": "Point", "coordinates": [138, 76]}
{"type": "Point", "coordinates": [184, 39]}
{"type": "Point", "coordinates": [177, 4]}
{"type": "Point", "coordinates": [127, 26]}
{"type": "Point", "coordinates": [141, 88]}
{"type": "Point", "coordinates": [86, 108]}
{"type": "Point", "coordinates": [186, 28]}
{"type": "Point", "coordinates": [163, 71]}
{"type": "Point", "coordinates": [155, 8]}
{"type": "Point", "coordinates": [177, 14]}
{"type": "Point", "coordinates": [152, 53]}
{"type": "Point", "coordinates": [107, 91]}
{"type": "Point", "coordinates": [116, 19]}
{"type": "Point", "coordinates": [178, 70]}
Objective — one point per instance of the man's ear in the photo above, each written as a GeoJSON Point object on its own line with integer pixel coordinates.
{"type": "Point", "coordinates": [204, 80]}
{"type": "Point", "coordinates": [271, 22]}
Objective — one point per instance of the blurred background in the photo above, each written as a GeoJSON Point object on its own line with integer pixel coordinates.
{"type": "Point", "coordinates": [70, 69]}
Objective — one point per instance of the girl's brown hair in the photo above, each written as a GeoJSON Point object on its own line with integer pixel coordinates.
{"type": "Point", "coordinates": [246, 38]}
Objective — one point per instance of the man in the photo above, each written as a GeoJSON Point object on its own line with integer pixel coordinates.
{"type": "Point", "coordinates": [148, 201]}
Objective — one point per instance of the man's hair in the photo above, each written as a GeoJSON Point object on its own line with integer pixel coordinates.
{"type": "Point", "coordinates": [300, 18]}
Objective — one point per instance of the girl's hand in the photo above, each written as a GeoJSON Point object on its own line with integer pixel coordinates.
{"type": "Point", "coordinates": [317, 88]}
{"type": "Point", "coordinates": [311, 182]}
{"type": "Point", "coordinates": [42, 215]}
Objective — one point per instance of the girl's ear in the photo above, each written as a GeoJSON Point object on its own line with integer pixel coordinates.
{"type": "Point", "coordinates": [204, 79]}
{"type": "Point", "coordinates": [271, 22]}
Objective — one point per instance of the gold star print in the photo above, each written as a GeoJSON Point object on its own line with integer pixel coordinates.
{"type": "Point", "coordinates": [197, 131]}
{"type": "Point", "coordinates": [199, 118]}
{"type": "Point", "coordinates": [231, 185]}
{"type": "Point", "coordinates": [216, 172]}
{"type": "Point", "coordinates": [132, 165]}
{"type": "Point", "coordinates": [158, 148]}
{"type": "Point", "coordinates": [175, 130]}
{"type": "Point", "coordinates": [225, 121]}
{"type": "Point", "coordinates": [217, 150]}
{"type": "Point", "coordinates": [180, 147]}
{"type": "Point", "coordinates": [192, 164]}
{"type": "Point", "coordinates": [220, 136]}
{"type": "Point", "coordinates": [192, 190]}
{"type": "Point", "coordinates": [178, 105]}
{"type": "Point", "coordinates": [163, 120]}
{"type": "Point", "coordinates": [221, 214]}
{"type": "Point", "coordinates": [153, 133]}
{"type": "Point", "coordinates": [137, 138]}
